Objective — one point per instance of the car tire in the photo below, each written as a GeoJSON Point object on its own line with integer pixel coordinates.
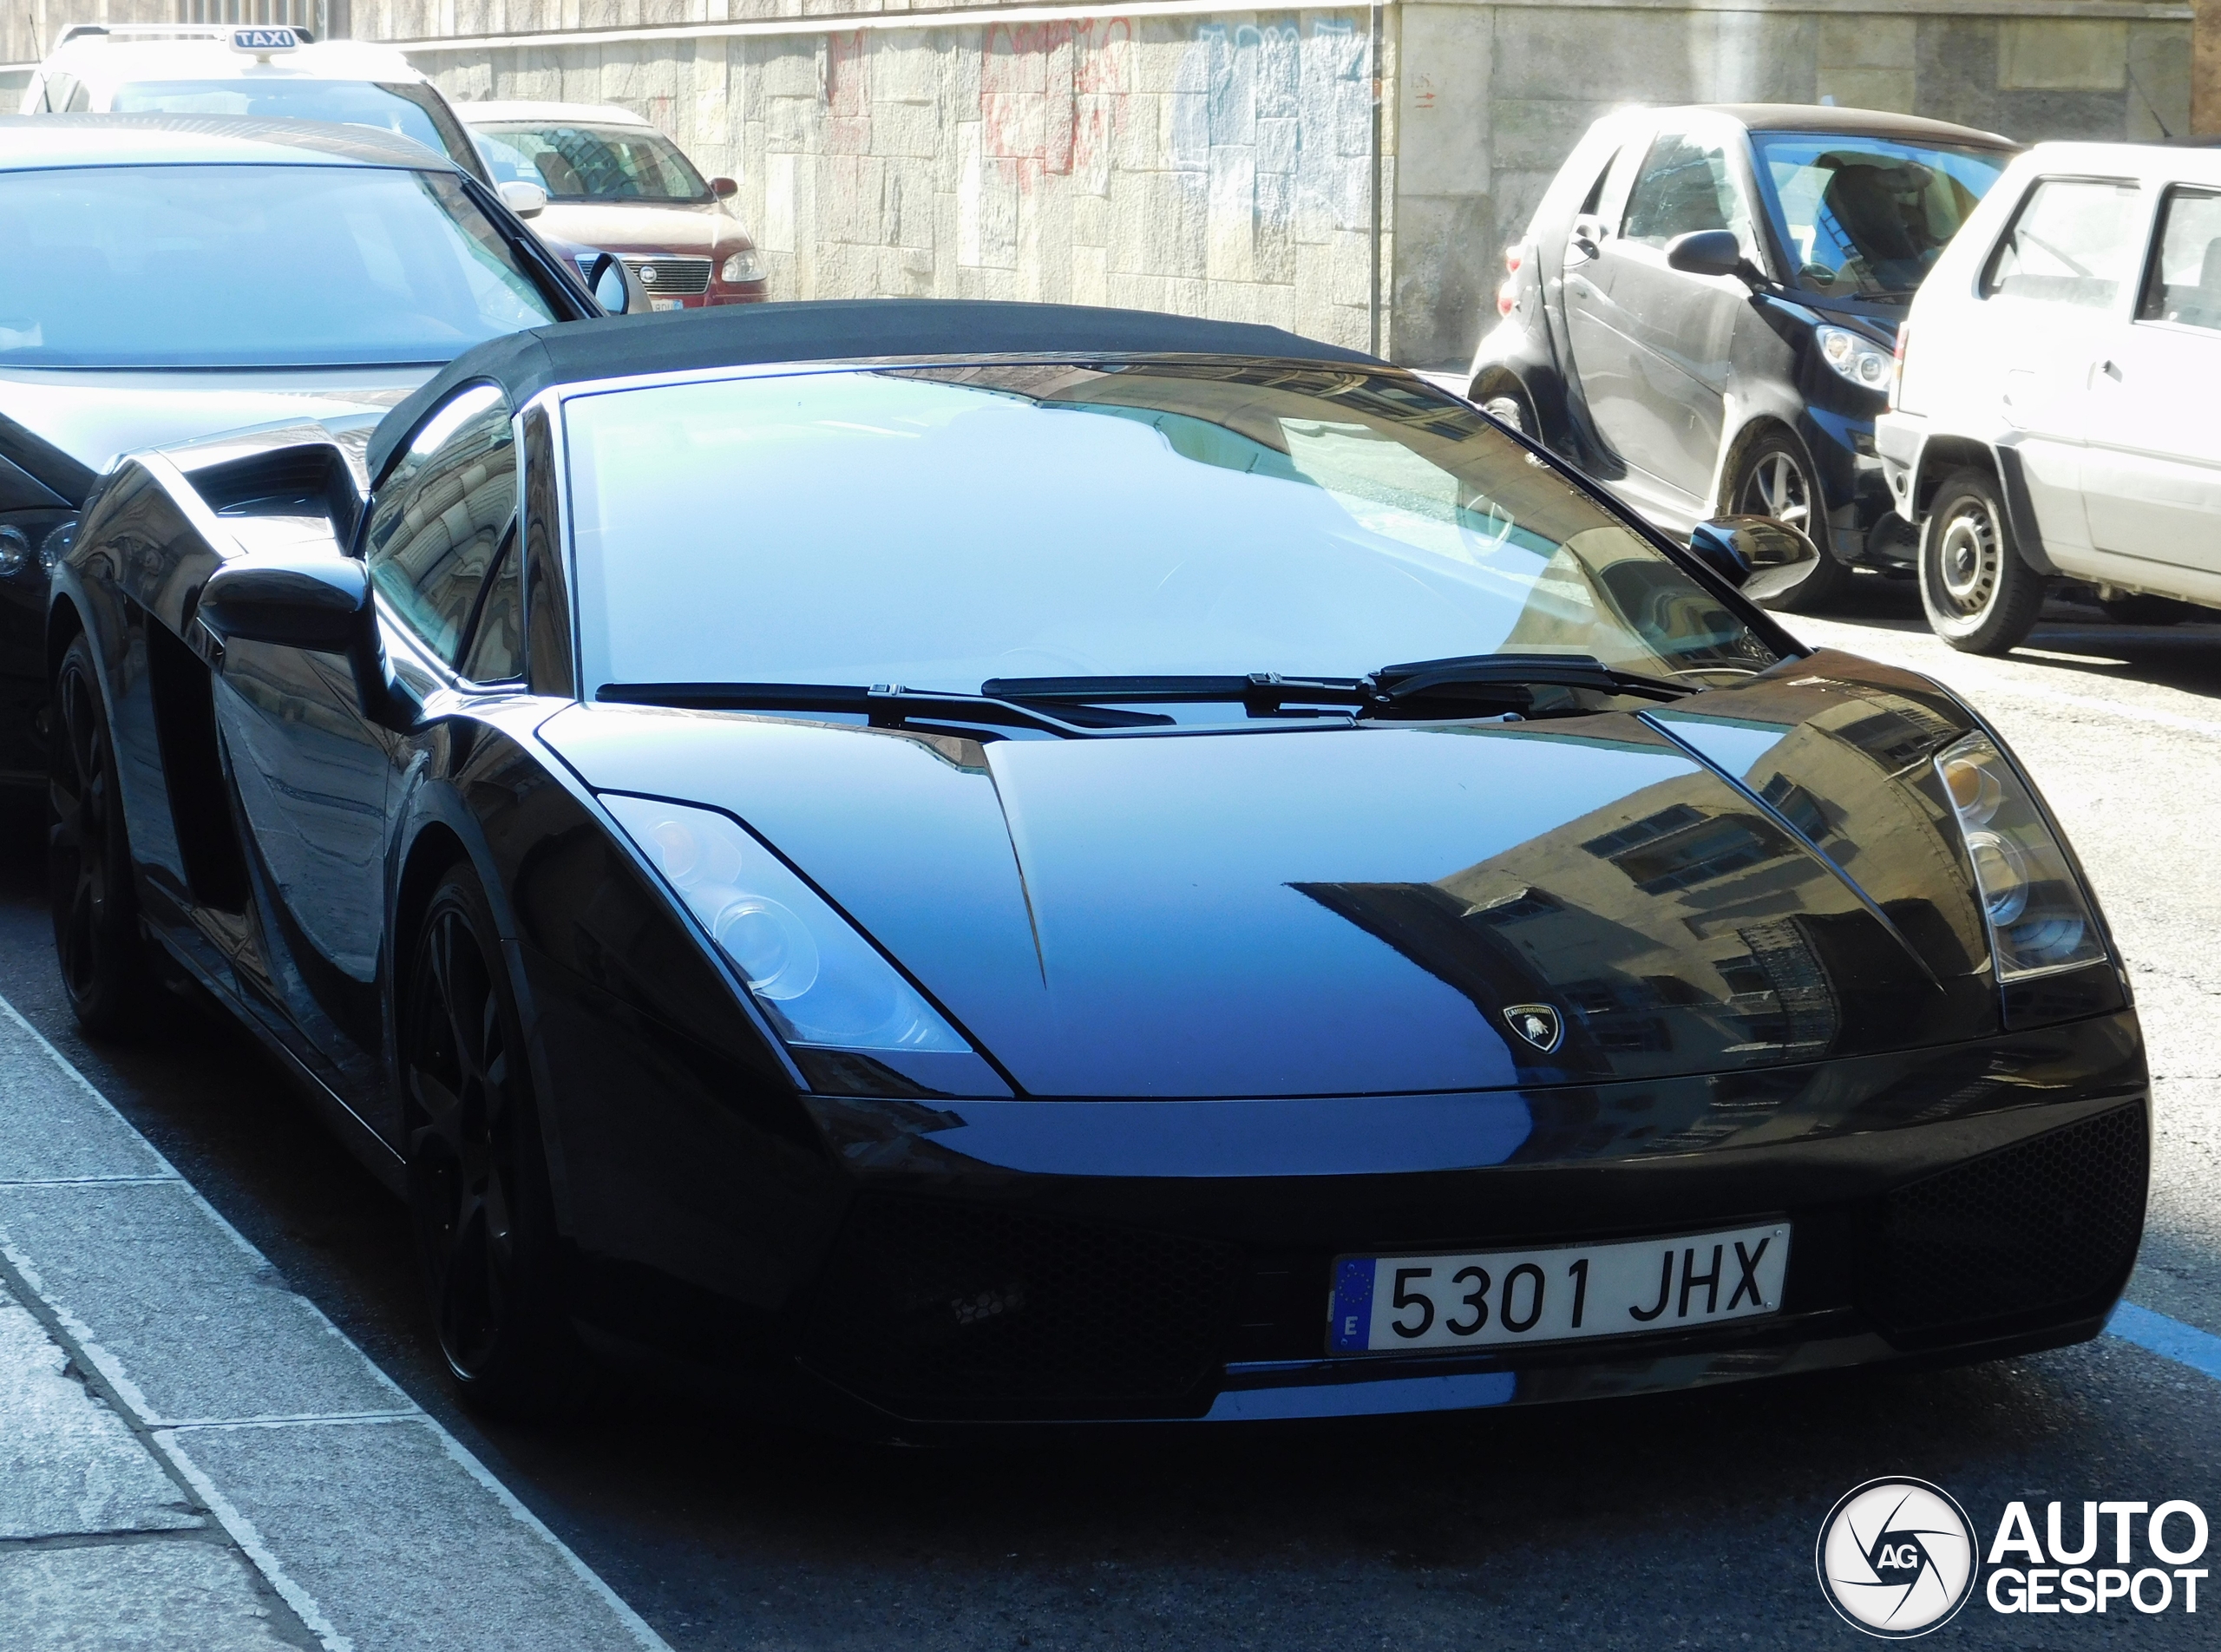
{"type": "Point", "coordinates": [1773, 478]}
{"type": "Point", "coordinates": [2138, 609]}
{"type": "Point", "coordinates": [1980, 595]}
{"type": "Point", "coordinates": [1505, 401]}
{"type": "Point", "coordinates": [492, 1262]}
{"type": "Point", "coordinates": [96, 935]}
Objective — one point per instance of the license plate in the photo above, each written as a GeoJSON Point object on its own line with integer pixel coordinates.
{"type": "Point", "coordinates": [666, 304]}
{"type": "Point", "coordinates": [1485, 1299]}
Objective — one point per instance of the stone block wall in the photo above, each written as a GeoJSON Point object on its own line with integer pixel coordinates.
{"type": "Point", "coordinates": [1217, 165]}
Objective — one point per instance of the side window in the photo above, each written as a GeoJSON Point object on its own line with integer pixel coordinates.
{"type": "Point", "coordinates": [442, 515]}
{"type": "Point", "coordinates": [2074, 241]}
{"type": "Point", "coordinates": [497, 640]}
{"type": "Point", "coordinates": [57, 91]}
{"type": "Point", "coordinates": [79, 100]}
{"type": "Point", "coordinates": [1686, 185]}
{"type": "Point", "coordinates": [2184, 283]}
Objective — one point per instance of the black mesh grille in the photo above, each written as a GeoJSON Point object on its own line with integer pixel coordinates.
{"type": "Point", "coordinates": [938, 1309]}
{"type": "Point", "coordinates": [2049, 1224]}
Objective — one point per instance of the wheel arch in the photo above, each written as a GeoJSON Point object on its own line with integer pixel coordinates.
{"type": "Point", "coordinates": [1940, 455]}
{"type": "Point", "coordinates": [1754, 429]}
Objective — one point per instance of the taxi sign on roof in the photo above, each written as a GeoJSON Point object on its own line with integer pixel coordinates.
{"type": "Point", "coordinates": [262, 42]}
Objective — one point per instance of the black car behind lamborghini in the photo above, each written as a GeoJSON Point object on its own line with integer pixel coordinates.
{"type": "Point", "coordinates": [957, 863]}
{"type": "Point", "coordinates": [1704, 309]}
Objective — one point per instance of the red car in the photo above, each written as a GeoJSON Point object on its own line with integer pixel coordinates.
{"type": "Point", "coordinates": [616, 184]}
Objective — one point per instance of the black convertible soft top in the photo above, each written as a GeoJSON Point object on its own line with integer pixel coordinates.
{"type": "Point", "coordinates": [525, 364]}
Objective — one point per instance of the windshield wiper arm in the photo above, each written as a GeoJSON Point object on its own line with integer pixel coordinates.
{"type": "Point", "coordinates": [1255, 689]}
{"type": "Point", "coordinates": [1488, 677]}
{"type": "Point", "coordinates": [885, 705]}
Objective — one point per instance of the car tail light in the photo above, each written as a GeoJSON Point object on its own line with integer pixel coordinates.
{"type": "Point", "coordinates": [1506, 298]}
{"type": "Point", "coordinates": [1897, 365]}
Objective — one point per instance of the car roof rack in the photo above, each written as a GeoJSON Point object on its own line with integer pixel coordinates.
{"type": "Point", "coordinates": [171, 31]}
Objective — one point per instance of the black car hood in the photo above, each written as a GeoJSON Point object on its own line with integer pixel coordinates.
{"type": "Point", "coordinates": [64, 428]}
{"type": "Point", "coordinates": [1368, 910]}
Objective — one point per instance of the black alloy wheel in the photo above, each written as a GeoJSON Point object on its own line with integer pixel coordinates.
{"type": "Point", "coordinates": [96, 939]}
{"type": "Point", "coordinates": [1980, 595]}
{"type": "Point", "coordinates": [478, 1190]}
{"type": "Point", "coordinates": [1773, 478]}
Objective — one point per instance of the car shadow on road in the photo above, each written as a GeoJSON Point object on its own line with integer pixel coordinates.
{"type": "Point", "coordinates": [2072, 637]}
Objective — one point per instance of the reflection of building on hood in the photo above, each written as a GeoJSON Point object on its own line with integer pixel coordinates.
{"type": "Point", "coordinates": [1683, 928]}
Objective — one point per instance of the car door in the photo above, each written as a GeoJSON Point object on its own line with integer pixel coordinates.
{"type": "Point", "coordinates": [2051, 291]}
{"type": "Point", "coordinates": [316, 777]}
{"type": "Point", "coordinates": [1652, 346]}
{"type": "Point", "coordinates": [2152, 465]}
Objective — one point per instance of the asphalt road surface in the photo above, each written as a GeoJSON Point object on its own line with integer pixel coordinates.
{"type": "Point", "coordinates": [1684, 1520]}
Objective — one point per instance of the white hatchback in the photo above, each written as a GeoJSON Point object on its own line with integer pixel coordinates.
{"type": "Point", "coordinates": [2053, 416]}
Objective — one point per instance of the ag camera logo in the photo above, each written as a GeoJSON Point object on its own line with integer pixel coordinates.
{"type": "Point", "coordinates": [1897, 1558]}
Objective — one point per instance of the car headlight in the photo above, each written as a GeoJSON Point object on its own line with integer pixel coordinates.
{"type": "Point", "coordinates": [818, 981]}
{"type": "Point", "coordinates": [56, 544]}
{"type": "Point", "coordinates": [742, 266]}
{"type": "Point", "coordinates": [1859, 359]}
{"type": "Point", "coordinates": [32, 547]}
{"type": "Point", "coordinates": [2039, 921]}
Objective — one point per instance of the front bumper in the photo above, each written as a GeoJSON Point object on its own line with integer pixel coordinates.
{"type": "Point", "coordinates": [1043, 1262]}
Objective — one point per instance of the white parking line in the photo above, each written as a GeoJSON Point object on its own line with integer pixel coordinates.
{"type": "Point", "coordinates": [2168, 1337]}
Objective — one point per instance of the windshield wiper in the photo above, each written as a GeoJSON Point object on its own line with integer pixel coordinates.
{"type": "Point", "coordinates": [884, 706]}
{"type": "Point", "coordinates": [1501, 680]}
{"type": "Point", "coordinates": [1265, 692]}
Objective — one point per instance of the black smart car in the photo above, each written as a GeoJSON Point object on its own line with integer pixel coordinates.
{"type": "Point", "coordinates": [966, 862]}
{"type": "Point", "coordinates": [1703, 312]}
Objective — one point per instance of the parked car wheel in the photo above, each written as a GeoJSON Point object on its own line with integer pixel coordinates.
{"type": "Point", "coordinates": [2137, 608]}
{"type": "Point", "coordinates": [1980, 595]}
{"type": "Point", "coordinates": [1505, 401]}
{"type": "Point", "coordinates": [478, 1188]}
{"type": "Point", "coordinates": [89, 859]}
{"type": "Point", "coordinates": [1773, 478]}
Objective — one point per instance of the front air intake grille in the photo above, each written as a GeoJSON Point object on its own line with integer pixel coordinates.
{"type": "Point", "coordinates": [942, 1308]}
{"type": "Point", "coordinates": [2049, 1224]}
{"type": "Point", "coordinates": [664, 278]}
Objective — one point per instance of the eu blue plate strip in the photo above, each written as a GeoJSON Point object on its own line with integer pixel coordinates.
{"type": "Point", "coordinates": [2169, 1339]}
{"type": "Point", "coordinates": [1380, 1399]}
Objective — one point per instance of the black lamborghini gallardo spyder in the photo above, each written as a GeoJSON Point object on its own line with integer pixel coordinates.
{"type": "Point", "coordinates": [966, 862]}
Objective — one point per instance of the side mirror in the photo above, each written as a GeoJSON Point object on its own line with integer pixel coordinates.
{"type": "Point", "coordinates": [1712, 252]}
{"type": "Point", "coordinates": [723, 188]}
{"type": "Point", "coordinates": [608, 286]}
{"type": "Point", "coordinates": [319, 603]}
{"type": "Point", "coordinates": [1757, 554]}
{"type": "Point", "coordinates": [313, 602]}
{"type": "Point", "coordinates": [526, 200]}
{"type": "Point", "coordinates": [1588, 234]}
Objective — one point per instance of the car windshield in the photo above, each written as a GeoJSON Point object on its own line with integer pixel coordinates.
{"type": "Point", "coordinates": [575, 162]}
{"type": "Point", "coordinates": [404, 110]}
{"type": "Point", "coordinates": [251, 266]}
{"type": "Point", "coordinates": [1866, 216]}
{"type": "Point", "coordinates": [940, 528]}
